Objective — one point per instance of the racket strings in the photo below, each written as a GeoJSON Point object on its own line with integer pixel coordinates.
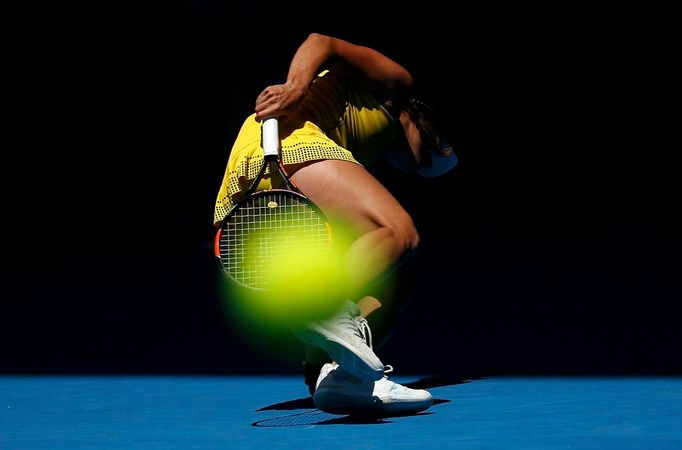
{"type": "Point", "coordinates": [263, 230]}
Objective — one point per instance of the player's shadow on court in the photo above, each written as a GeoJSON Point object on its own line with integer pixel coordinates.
{"type": "Point", "coordinates": [321, 418]}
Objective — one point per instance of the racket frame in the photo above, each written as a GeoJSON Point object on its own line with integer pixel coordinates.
{"type": "Point", "coordinates": [271, 158]}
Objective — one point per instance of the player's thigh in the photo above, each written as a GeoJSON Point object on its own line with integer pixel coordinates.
{"type": "Point", "coordinates": [349, 194]}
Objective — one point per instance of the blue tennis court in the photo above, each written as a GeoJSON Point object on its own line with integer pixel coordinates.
{"type": "Point", "coordinates": [275, 412]}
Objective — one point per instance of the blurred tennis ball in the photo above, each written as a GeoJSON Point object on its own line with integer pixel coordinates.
{"type": "Point", "coordinates": [305, 282]}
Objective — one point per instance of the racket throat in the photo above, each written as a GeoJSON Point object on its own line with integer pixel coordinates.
{"type": "Point", "coordinates": [270, 162]}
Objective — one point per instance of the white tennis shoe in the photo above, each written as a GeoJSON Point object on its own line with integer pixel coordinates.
{"type": "Point", "coordinates": [347, 339]}
{"type": "Point", "coordinates": [339, 392]}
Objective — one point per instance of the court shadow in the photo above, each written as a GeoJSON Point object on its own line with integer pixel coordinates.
{"type": "Point", "coordinates": [317, 417]}
{"type": "Point", "coordinates": [436, 381]}
{"type": "Point", "coordinates": [299, 403]}
{"type": "Point", "coordinates": [423, 383]}
{"type": "Point", "coordinates": [307, 403]}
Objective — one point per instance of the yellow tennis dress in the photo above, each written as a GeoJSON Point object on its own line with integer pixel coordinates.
{"type": "Point", "coordinates": [337, 119]}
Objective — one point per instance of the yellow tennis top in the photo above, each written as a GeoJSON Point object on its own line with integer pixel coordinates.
{"type": "Point", "coordinates": [337, 119]}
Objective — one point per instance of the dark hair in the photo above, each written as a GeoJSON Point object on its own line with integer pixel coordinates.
{"type": "Point", "coordinates": [426, 119]}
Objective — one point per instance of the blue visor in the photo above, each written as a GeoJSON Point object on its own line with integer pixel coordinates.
{"type": "Point", "coordinates": [437, 165]}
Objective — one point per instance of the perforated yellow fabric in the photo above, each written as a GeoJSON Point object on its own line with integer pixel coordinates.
{"type": "Point", "coordinates": [336, 120]}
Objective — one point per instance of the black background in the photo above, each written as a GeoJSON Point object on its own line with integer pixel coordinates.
{"type": "Point", "coordinates": [552, 248]}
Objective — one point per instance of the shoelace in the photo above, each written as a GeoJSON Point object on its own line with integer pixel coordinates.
{"type": "Point", "coordinates": [347, 319]}
{"type": "Point", "coordinates": [366, 333]}
{"type": "Point", "coordinates": [364, 330]}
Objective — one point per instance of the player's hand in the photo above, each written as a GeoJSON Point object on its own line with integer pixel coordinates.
{"type": "Point", "coordinates": [278, 100]}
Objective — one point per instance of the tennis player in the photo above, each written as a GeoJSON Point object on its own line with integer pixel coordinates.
{"type": "Point", "coordinates": [341, 107]}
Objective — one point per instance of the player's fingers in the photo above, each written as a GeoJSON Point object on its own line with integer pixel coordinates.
{"type": "Point", "coordinates": [264, 102]}
{"type": "Point", "coordinates": [265, 110]}
{"type": "Point", "coordinates": [265, 93]}
{"type": "Point", "coordinates": [265, 98]}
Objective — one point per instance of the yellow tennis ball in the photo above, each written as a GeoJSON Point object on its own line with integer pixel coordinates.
{"type": "Point", "coordinates": [306, 283]}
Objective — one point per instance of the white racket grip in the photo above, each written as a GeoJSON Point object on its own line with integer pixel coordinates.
{"type": "Point", "coordinates": [270, 137]}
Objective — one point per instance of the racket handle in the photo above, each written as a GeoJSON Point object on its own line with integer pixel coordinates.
{"type": "Point", "coordinates": [270, 137]}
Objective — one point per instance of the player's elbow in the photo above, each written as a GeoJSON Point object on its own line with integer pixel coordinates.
{"type": "Point", "coordinates": [406, 79]}
{"type": "Point", "coordinates": [399, 84]}
{"type": "Point", "coordinates": [319, 38]}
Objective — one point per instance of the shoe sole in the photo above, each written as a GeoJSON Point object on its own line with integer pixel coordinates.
{"type": "Point", "coordinates": [341, 352]}
{"type": "Point", "coordinates": [339, 403]}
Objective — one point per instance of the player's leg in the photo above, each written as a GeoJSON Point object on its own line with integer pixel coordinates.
{"type": "Point", "coordinates": [381, 231]}
{"type": "Point", "coordinates": [386, 302]}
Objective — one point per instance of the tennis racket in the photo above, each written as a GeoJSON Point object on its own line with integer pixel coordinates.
{"type": "Point", "coordinates": [264, 226]}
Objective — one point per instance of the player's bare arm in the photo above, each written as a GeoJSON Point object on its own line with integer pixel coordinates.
{"type": "Point", "coordinates": [367, 66]}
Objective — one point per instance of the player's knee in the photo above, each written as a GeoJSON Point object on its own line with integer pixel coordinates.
{"type": "Point", "coordinates": [405, 235]}
{"type": "Point", "coordinates": [411, 237]}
